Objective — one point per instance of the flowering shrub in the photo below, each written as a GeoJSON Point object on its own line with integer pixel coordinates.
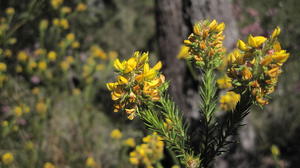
{"type": "Point", "coordinates": [248, 75]}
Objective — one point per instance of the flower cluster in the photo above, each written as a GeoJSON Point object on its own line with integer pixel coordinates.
{"type": "Point", "coordinates": [148, 153]}
{"type": "Point", "coordinates": [137, 82]}
{"type": "Point", "coordinates": [256, 65]}
{"type": "Point", "coordinates": [205, 45]}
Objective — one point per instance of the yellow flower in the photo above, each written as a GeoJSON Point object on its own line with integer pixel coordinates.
{"type": "Point", "coordinates": [118, 65]}
{"type": "Point", "coordinates": [116, 134]}
{"type": "Point", "coordinates": [64, 23]}
{"type": "Point", "coordinates": [44, 24]}
{"type": "Point", "coordinates": [55, 22]}
{"type": "Point", "coordinates": [32, 65]}
{"type": "Point", "coordinates": [41, 107]}
{"type": "Point", "coordinates": [7, 158]}
{"type": "Point", "coordinates": [90, 162]}
{"type": "Point", "coordinates": [18, 111]}
{"type": "Point", "coordinates": [184, 52]}
{"type": "Point", "coordinates": [48, 165]}
{"type": "Point", "coordinates": [246, 74]}
{"type": "Point", "coordinates": [10, 11]}
{"type": "Point", "coordinates": [220, 27]}
{"type": "Point", "coordinates": [197, 29]}
{"type": "Point", "coordinates": [42, 65]}
{"type": "Point", "coordinates": [275, 150]}
{"type": "Point", "coordinates": [4, 123]}
{"type": "Point", "coordinates": [35, 91]}
{"type": "Point", "coordinates": [75, 44]}
{"type": "Point", "coordinates": [112, 55]}
{"type": "Point", "coordinates": [19, 69]}
{"type": "Point", "coordinates": [22, 56]}
{"type": "Point", "coordinates": [56, 3]}
{"type": "Point", "coordinates": [52, 55]}
{"type": "Point", "coordinates": [76, 91]}
{"type": "Point", "coordinates": [256, 41]}
{"type": "Point", "coordinates": [81, 7]}
{"type": "Point", "coordinates": [276, 32]}
{"type": "Point", "coordinates": [2, 67]}
{"type": "Point", "coordinates": [66, 10]}
{"type": "Point", "coordinates": [242, 46]}
{"type": "Point", "coordinates": [70, 37]}
{"type": "Point", "coordinates": [224, 82]}
{"type": "Point", "coordinates": [281, 56]}
{"type": "Point", "coordinates": [29, 145]}
{"type": "Point", "coordinates": [7, 53]}
{"type": "Point", "coordinates": [229, 101]}
{"type": "Point", "coordinates": [130, 142]}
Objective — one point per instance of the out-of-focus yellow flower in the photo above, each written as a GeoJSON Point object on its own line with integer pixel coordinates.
{"type": "Point", "coordinates": [41, 107]}
{"type": "Point", "coordinates": [112, 55]}
{"type": "Point", "coordinates": [184, 52]}
{"type": "Point", "coordinates": [66, 10]}
{"type": "Point", "coordinates": [32, 65]}
{"type": "Point", "coordinates": [48, 165]}
{"type": "Point", "coordinates": [18, 111]}
{"type": "Point", "coordinates": [70, 37]}
{"type": "Point", "coordinates": [116, 134]}
{"type": "Point", "coordinates": [42, 65]}
{"type": "Point", "coordinates": [148, 153]}
{"type": "Point", "coordinates": [55, 22]}
{"type": "Point", "coordinates": [96, 51]}
{"type": "Point", "coordinates": [130, 142]}
{"type": "Point", "coordinates": [175, 166]}
{"type": "Point", "coordinates": [100, 67]}
{"type": "Point", "coordinates": [90, 162]}
{"type": "Point", "coordinates": [64, 23]}
{"type": "Point", "coordinates": [275, 150]}
{"type": "Point", "coordinates": [22, 56]}
{"type": "Point", "coordinates": [56, 3]}
{"type": "Point", "coordinates": [81, 7]}
{"type": "Point", "coordinates": [64, 65]}
{"type": "Point", "coordinates": [7, 158]}
{"type": "Point", "coordinates": [19, 69]}
{"type": "Point", "coordinates": [29, 145]}
{"type": "Point", "coordinates": [44, 24]}
{"type": "Point", "coordinates": [15, 128]}
{"type": "Point", "coordinates": [276, 32]}
{"type": "Point", "coordinates": [256, 41]}
{"type": "Point", "coordinates": [12, 41]}
{"type": "Point", "coordinates": [70, 59]}
{"type": "Point", "coordinates": [39, 51]}
{"type": "Point", "coordinates": [224, 82]}
{"type": "Point", "coordinates": [75, 44]}
{"type": "Point", "coordinates": [35, 91]}
{"type": "Point", "coordinates": [4, 123]}
{"type": "Point", "coordinates": [52, 55]}
{"type": "Point", "coordinates": [229, 101]}
{"type": "Point", "coordinates": [76, 91]}
{"type": "Point", "coordinates": [3, 67]}
{"type": "Point", "coordinates": [10, 11]}
{"type": "Point", "coordinates": [7, 53]}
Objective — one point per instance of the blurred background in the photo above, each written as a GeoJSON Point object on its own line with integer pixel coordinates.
{"type": "Point", "coordinates": [56, 56]}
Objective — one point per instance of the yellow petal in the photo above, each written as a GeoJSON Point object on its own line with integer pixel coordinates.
{"type": "Point", "coordinates": [220, 27]}
{"type": "Point", "coordinates": [242, 46]}
{"type": "Point", "coordinates": [122, 80]}
{"type": "Point", "coordinates": [158, 66]}
{"type": "Point", "coordinates": [118, 65]}
{"type": "Point", "coordinates": [276, 32]}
